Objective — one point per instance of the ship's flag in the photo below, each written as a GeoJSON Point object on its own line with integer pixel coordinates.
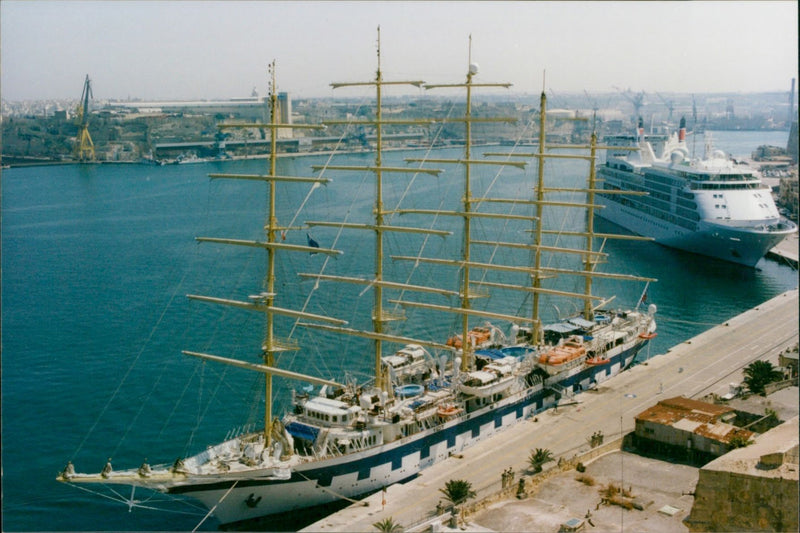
{"type": "Point", "coordinates": [643, 299]}
{"type": "Point", "coordinates": [312, 243]}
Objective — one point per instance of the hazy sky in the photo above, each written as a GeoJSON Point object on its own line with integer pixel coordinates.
{"type": "Point", "coordinates": [191, 49]}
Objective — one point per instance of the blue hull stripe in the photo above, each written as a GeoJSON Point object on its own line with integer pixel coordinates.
{"type": "Point", "coordinates": [472, 424]}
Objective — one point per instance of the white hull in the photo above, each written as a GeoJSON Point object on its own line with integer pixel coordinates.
{"type": "Point", "coordinates": [361, 473]}
{"type": "Point", "coordinates": [239, 493]}
{"type": "Point", "coordinates": [745, 246]}
{"type": "Point", "coordinates": [712, 206]}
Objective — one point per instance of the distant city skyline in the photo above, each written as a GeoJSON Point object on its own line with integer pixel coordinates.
{"type": "Point", "coordinates": [196, 50]}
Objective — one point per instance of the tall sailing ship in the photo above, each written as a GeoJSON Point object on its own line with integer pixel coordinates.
{"type": "Point", "coordinates": [428, 398]}
{"type": "Point", "coordinates": [712, 206]}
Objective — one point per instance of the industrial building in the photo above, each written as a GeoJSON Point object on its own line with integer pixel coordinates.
{"type": "Point", "coordinates": [697, 430]}
{"type": "Point", "coordinates": [253, 108]}
{"type": "Point", "coordinates": [754, 488]}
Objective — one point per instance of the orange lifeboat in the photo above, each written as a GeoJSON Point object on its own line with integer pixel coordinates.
{"type": "Point", "coordinates": [447, 410]}
{"type": "Point", "coordinates": [477, 337]}
{"type": "Point", "coordinates": [648, 336]}
{"type": "Point", "coordinates": [563, 353]}
{"type": "Point", "coordinates": [597, 361]}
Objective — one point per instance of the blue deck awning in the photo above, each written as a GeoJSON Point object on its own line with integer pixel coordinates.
{"type": "Point", "coordinates": [302, 431]}
{"type": "Point", "coordinates": [492, 354]}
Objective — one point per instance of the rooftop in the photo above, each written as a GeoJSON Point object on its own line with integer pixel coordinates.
{"type": "Point", "coordinates": [773, 454]}
{"type": "Point", "coordinates": [695, 416]}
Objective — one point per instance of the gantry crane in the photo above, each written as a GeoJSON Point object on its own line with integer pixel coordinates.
{"type": "Point", "coordinates": [636, 99]}
{"type": "Point", "coordinates": [85, 147]}
{"type": "Point", "coordinates": [595, 108]}
{"type": "Point", "coordinates": [670, 105]}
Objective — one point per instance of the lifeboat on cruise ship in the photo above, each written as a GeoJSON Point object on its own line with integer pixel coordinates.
{"type": "Point", "coordinates": [596, 361]}
{"type": "Point", "coordinates": [648, 335]}
{"type": "Point", "coordinates": [448, 410]}
{"type": "Point", "coordinates": [569, 353]}
{"type": "Point", "coordinates": [478, 336]}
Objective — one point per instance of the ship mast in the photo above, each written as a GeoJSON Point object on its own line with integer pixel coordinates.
{"type": "Point", "coordinates": [469, 202]}
{"type": "Point", "coordinates": [588, 263]}
{"type": "Point", "coordinates": [380, 316]}
{"type": "Point", "coordinates": [265, 302]}
{"type": "Point", "coordinates": [536, 326]}
{"type": "Point", "coordinates": [590, 257]}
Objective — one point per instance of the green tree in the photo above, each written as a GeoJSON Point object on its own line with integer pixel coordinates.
{"type": "Point", "coordinates": [739, 441]}
{"type": "Point", "coordinates": [758, 374]}
{"type": "Point", "coordinates": [539, 457]}
{"type": "Point", "coordinates": [458, 491]}
{"type": "Point", "coordinates": [388, 525]}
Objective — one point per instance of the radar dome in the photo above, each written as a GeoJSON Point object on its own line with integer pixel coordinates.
{"type": "Point", "coordinates": [473, 68]}
{"type": "Point", "coordinates": [676, 158]}
{"type": "Point", "coordinates": [718, 154]}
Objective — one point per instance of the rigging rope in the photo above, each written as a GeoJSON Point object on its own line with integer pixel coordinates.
{"type": "Point", "coordinates": [496, 248]}
{"type": "Point", "coordinates": [327, 259]}
{"type": "Point", "coordinates": [132, 503]}
{"type": "Point", "coordinates": [128, 372]}
{"type": "Point", "coordinates": [427, 236]}
{"type": "Point", "coordinates": [341, 228]}
{"type": "Point", "coordinates": [210, 511]}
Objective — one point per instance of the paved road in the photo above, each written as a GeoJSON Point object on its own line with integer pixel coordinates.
{"type": "Point", "coordinates": [699, 366]}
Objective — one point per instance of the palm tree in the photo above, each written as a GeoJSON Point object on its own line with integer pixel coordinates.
{"type": "Point", "coordinates": [539, 457]}
{"type": "Point", "coordinates": [458, 491]}
{"type": "Point", "coordinates": [758, 374]}
{"type": "Point", "coordinates": [388, 525]}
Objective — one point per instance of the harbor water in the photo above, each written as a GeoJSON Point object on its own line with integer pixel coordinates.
{"type": "Point", "coordinates": [96, 264]}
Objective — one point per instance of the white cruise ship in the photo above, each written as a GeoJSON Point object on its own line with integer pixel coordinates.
{"type": "Point", "coordinates": [713, 206]}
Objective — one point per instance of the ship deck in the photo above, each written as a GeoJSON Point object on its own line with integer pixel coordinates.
{"type": "Point", "coordinates": [702, 365]}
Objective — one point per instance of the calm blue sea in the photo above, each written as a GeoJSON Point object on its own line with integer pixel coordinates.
{"type": "Point", "coordinates": [96, 263]}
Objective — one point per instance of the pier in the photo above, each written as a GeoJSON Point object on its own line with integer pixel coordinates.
{"type": "Point", "coordinates": [702, 365]}
{"type": "Point", "coordinates": [786, 250]}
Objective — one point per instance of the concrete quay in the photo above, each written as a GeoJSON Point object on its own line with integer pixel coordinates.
{"type": "Point", "coordinates": [699, 366]}
{"type": "Point", "coordinates": [786, 250]}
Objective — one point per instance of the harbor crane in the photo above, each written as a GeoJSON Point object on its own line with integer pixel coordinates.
{"type": "Point", "coordinates": [85, 147]}
{"type": "Point", "coordinates": [636, 99]}
{"type": "Point", "coordinates": [670, 105]}
{"type": "Point", "coordinates": [595, 108]}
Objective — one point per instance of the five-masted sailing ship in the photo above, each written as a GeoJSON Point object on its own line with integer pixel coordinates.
{"type": "Point", "coordinates": [349, 440]}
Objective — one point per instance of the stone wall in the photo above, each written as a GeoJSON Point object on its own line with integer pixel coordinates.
{"type": "Point", "coordinates": [729, 501]}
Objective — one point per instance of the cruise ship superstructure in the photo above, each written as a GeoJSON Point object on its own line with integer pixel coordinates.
{"type": "Point", "coordinates": [713, 206]}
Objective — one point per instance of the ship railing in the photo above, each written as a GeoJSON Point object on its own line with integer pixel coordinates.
{"type": "Point", "coordinates": [239, 431]}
